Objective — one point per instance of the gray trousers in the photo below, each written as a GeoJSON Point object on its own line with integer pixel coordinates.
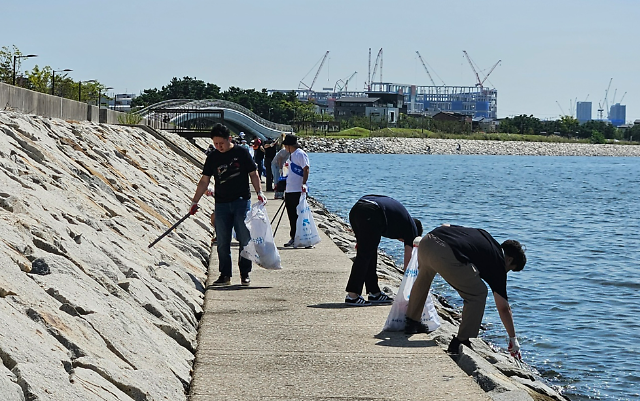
{"type": "Point", "coordinates": [435, 256]}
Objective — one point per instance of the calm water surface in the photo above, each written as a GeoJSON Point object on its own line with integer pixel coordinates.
{"type": "Point", "coordinates": [577, 302]}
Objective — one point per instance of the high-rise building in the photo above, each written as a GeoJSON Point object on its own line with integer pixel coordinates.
{"type": "Point", "coordinates": [583, 112]}
{"type": "Point", "coordinates": [618, 114]}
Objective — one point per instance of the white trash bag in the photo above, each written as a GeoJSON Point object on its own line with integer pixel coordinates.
{"type": "Point", "coordinates": [261, 249]}
{"type": "Point", "coordinates": [396, 319]}
{"type": "Point", "coordinates": [306, 230]}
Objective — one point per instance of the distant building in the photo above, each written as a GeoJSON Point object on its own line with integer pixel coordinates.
{"type": "Point", "coordinates": [618, 114]}
{"type": "Point", "coordinates": [379, 106]}
{"type": "Point", "coordinates": [122, 102]}
{"type": "Point", "coordinates": [583, 112]}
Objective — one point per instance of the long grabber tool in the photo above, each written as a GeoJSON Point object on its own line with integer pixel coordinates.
{"type": "Point", "coordinates": [278, 211]}
{"type": "Point", "coordinates": [276, 215]}
{"type": "Point", "coordinates": [170, 229]}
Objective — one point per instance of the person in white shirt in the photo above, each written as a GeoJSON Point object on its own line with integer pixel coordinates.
{"type": "Point", "coordinates": [296, 181]}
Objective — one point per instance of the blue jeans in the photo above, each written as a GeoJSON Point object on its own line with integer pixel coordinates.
{"type": "Point", "coordinates": [230, 215]}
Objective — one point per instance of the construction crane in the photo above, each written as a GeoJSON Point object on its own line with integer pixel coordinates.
{"type": "Point", "coordinates": [302, 85]}
{"type": "Point", "coordinates": [605, 103]}
{"type": "Point", "coordinates": [622, 98]}
{"type": "Point", "coordinates": [375, 68]}
{"type": "Point", "coordinates": [343, 84]}
{"type": "Point", "coordinates": [480, 82]}
{"type": "Point", "coordinates": [425, 68]}
{"type": "Point", "coordinates": [563, 113]}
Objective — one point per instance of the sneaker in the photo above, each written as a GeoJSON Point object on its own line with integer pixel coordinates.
{"type": "Point", "coordinates": [222, 280]}
{"type": "Point", "coordinates": [414, 327]}
{"type": "Point", "coordinates": [381, 298]}
{"type": "Point", "coordinates": [356, 302]}
{"type": "Point", "coordinates": [245, 280]}
{"type": "Point", "coordinates": [454, 345]}
{"type": "Point", "coordinates": [289, 244]}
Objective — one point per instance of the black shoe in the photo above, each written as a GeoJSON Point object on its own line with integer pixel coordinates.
{"type": "Point", "coordinates": [381, 298]}
{"type": "Point", "coordinates": [222, 280]}
{"type": "Point", "coordinates": [289, 244]}
{"type": "Point", "coordinates": [414, 327]}
{"type": "Point", "coordinates": [245, 280]}
{"type": "Point", "coordinates": [359, 301]}
{"type": "Point", "coordinates": [454, 345]}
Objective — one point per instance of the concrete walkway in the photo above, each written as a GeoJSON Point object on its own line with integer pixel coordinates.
{"type": "Point", "coordinates": [289, 337]}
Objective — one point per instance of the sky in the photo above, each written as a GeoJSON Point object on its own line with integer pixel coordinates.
{"type": "Point", "coordinates": [551, 53]}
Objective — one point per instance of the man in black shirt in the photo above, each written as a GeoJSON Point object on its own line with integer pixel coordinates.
{"type": "Point", "coordinates": [464, 257]}
{"type": "Point", "coordinates": [270, 150]}
{"type": "Point", "coordinates": [231, 168]}
{"type": "Point", "coordinates": [371, 218]}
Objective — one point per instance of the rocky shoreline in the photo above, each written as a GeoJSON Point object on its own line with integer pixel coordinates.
{"type": "Point", "coordinates": [387, 145]}
{"type": "Point", "coordinates": [499, 374]}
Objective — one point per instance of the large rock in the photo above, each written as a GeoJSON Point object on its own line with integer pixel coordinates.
{"type": "Point", "coordinates": [88, 311]}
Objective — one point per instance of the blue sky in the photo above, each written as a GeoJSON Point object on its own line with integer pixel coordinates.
{"type": "Point", "coordinates": [552, 51]}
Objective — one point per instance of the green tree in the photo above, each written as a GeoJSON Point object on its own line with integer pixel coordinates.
{"type": "Point", "coordinates": [568, 126]}
{"type": "Point", "coordinates": [40, 79]}
{"type": "Point", "coordinates": [597, 137]}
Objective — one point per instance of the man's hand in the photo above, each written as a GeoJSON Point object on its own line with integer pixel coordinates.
{"type": "Point", "coordinates": [304, 188]}
{"type": "Point", "coordinates": [262, 198]}
{"type": "Point", "coordinates": [514, 348]}
{"type": "Point", "coordinates": [194, 208]}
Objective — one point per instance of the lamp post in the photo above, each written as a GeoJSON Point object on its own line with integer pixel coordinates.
{"type": "Point", "coordinates": [80, 87]}
{"type": "Point", "coordinates": [270, 108]}
{"type": "Point", "coordinates": [100, 94]}
{"type": "Point", "coordinates": [53, 78]}
{"type": "Point", "coordinates": [15, 58]}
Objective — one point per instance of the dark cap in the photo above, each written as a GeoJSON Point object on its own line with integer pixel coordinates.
{"type": "Point", "coordinates": [290, 140]}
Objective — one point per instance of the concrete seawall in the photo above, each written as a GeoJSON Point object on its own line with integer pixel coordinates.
{"type": "Point", "coordinates": [30, 102]}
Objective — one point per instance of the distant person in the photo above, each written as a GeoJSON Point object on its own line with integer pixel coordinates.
{"type": "Point", "coordinates": [277, 166]}
{"type": "Point", "coordinates": [464, 257]}
{"type": "Point", "coordinates": [371, 218]}
{"type": "Point", "coordinates": [296, 181]}
{"type": "Point", "coordinates": [258, 156]}
{"type": "Point", "coordinates": [270, 150]}
{"type": "Point", "coordinates": [458, 148]}
{"type": "Point", "coordinates": [231, 168]}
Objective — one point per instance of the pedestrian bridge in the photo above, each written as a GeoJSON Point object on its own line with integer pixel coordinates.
{"type": "Point", "coordinates": [195, 118]}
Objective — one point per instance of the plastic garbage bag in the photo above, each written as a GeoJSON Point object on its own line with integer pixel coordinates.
{"type": "Point", "coordinates": [396, 319]}
{"type": "Point", "coordinates": [261, 249]}
{"type": "Point", "coordinates": [306, 230]}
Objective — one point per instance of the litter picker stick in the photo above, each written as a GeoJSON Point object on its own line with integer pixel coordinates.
{"type": "Point", "coordinates": [170, 229]}
{"type": "Point", "coordinates": [279, 220]}
{"type": "Point", "coordinates": [278, 211]}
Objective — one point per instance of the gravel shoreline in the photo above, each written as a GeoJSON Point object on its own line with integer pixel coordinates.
{"type": "Point", "coordinates": [464, 147]}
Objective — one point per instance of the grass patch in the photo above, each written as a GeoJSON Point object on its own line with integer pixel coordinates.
{"type": "Point", "coordinates": [358, 132]}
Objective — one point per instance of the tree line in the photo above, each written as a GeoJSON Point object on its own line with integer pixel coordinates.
{"type": "Point", "coordinates": [286, 108]}
{"type": "Point", "coordinates": [46, 79]}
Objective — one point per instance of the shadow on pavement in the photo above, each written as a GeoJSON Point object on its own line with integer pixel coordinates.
{"type": "Point", "coordinates": [399, 339]}
{"type": "Point", "coordinates": [234, 287]}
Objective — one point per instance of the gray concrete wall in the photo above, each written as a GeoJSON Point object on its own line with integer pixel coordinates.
{"type": "Point", "coordinates": [30, 102]}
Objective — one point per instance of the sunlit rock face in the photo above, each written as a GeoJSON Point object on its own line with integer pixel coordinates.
{"type": "Point", "coordinates": [89, 312]}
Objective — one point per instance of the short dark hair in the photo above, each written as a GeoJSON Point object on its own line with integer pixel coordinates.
{"type": "Point", "coordinates": [418, 226]}
{"type": "Point", "coordinates": [515, 250]}
{"type": "Point", "coordinates": [220, 131]}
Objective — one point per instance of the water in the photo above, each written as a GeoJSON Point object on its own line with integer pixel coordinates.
{"type": "Point", "coordinates": [576, 303]}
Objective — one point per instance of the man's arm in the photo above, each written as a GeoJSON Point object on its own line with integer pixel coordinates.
{"type": "Point", "coordinates": [255, 181]}
{"type": "Point", "coordinates": [505, 314]}
{"type": "Point", "coordinates": [305, 175]}
{"type": "Point", "coordinates": [408, 250]}
{"type": "Point", "coordinates": [203, 184]}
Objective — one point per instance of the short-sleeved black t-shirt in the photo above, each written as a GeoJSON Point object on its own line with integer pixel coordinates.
{"type": "Point", "coordinates": [270, 152]}
{"type": "Point", "coordinates": [400, 224]}
{"type": "Point", "coordinates": [476, 246]}
{"type": "Point", "coordinates": [230, 171]}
